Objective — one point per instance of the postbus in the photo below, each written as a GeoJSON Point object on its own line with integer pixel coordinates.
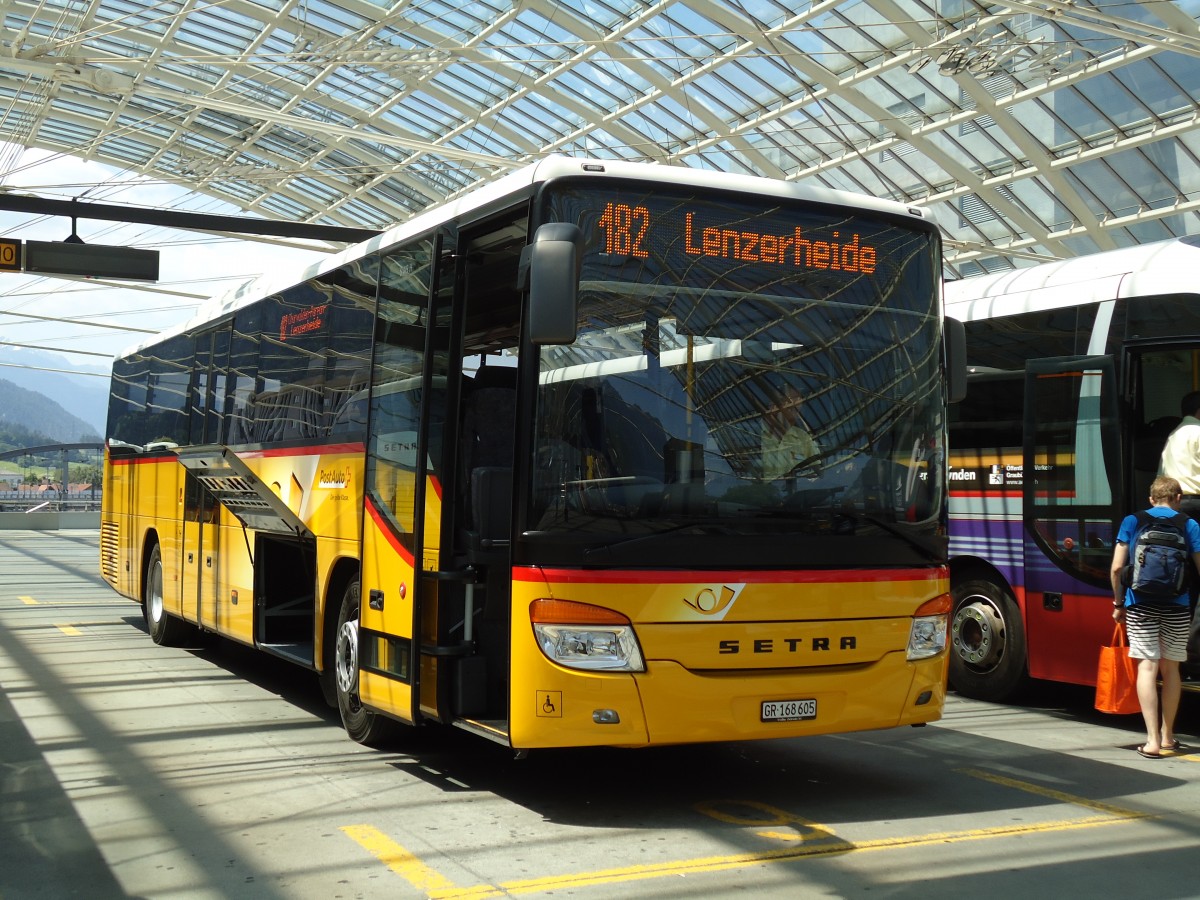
{"type": "Point", "coordinates": [1076, 369]}
{"type": "Point", "coordinates": [500, 467]}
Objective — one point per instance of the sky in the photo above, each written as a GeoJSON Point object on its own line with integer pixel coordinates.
{"type": "Point", "coordinates": [192, 265]}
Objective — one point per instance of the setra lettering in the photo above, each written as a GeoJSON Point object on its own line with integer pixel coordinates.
{"type": "Point", "coordinates": [789, 645]}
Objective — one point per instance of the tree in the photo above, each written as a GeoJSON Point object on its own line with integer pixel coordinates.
{"type": "Point", "coordinates": [85, 474]}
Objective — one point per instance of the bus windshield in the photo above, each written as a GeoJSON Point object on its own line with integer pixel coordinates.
{"type": "Point", "coordinates": [745, 372]}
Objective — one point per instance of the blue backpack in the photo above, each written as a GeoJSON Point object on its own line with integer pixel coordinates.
{"type": "Point", "coordinates": [1159, 556]}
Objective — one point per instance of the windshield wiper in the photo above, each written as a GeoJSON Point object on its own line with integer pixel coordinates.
{"type": "Point", "coordinates": [720, 526]}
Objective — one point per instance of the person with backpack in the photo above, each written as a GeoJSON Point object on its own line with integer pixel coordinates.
{"type": "Point", "coordinates": [1181, 461]}
{"type": "Point", "coordinates": [1152, 561]}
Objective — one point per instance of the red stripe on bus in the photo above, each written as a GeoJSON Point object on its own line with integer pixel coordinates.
{"type": "Point", "coordinates": [385, 529]}
{"type": "Point", "coordinates": [791, 576]}
{"type": "Point", "coordinates": [141, 460]}
{"type": "Point", "coordinates": [1015, 492]}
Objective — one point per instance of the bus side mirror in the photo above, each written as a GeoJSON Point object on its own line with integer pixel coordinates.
{"type": "Point", "coordinates": [956, 360]}
{"type": "Point", "coordinates": [550, 268]}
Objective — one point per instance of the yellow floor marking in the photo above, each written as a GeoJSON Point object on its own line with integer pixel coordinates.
{"type": "Point", "coordinates": [28, 601]}
{"type": "Point", "coordinates": [70, 630]}
{"type": "Point", "coordinates": [1052, 794]}
{"type": "Point", "coordinates": [744, 860]}
{"type": "Point", "coordinates": [819, 842]}
{"type": "Point", "coordinates": [420, 876]}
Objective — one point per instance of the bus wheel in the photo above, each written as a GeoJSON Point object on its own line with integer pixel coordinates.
{"type": "Point", "coordinates": [361, 724]}
{"type": "Point", "coordinates": [164, 628]}
{"type": "Point", "coordinates": [987, 642]}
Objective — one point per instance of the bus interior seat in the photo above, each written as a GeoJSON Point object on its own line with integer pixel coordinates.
{"type": "Point", "coordinates": [593, 440]}
{"type": "Point", "coordinates": [488, 423]}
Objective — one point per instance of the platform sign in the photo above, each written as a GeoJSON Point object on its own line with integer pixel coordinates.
{"type": "Point", "coordinates": [10, 255]}
{"type": "Point", "coordinates": [91, 260]}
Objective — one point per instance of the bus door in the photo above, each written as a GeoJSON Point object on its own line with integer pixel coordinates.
{"type": "Point", "coordinates": [403, 485]}
{"type": "Point", "coordinates": [1071, 511]}
{"type": "Point", "coordinates": [201, 511]}
{"type": "Point", "coordinates": [475, 615]}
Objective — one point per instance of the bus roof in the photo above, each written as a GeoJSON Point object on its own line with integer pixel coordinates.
{"type": "Point", "coordinates": [1164, 267]}
{"type": "Point", "coordinates": [514, 184]}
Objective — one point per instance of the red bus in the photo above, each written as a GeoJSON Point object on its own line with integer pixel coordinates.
{"type": "Point", "coordinates": [1075, 372]}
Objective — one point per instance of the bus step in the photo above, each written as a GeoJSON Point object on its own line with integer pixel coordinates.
{"type": "Point", "coordinates": [295, 652]}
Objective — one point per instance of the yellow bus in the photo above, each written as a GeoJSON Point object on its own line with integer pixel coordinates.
{"type": "Point", "coordinates": [515, 465]}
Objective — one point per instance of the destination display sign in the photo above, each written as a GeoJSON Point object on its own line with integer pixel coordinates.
{"type": "Point", "coordinates": [634, 231]}
{"type": "Point", "coordinates": [723, 243]}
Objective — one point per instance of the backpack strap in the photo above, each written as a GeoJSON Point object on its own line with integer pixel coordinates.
{"type": "Point", "coordinates": [1143, 519]}
{"type": "Point", "coordinates": [1179, 519]}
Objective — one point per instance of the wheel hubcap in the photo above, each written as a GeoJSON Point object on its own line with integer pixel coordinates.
{"type": "Point", "coordinates": [347, 658]}
{"type": "Point", "coordinates": [156, 594]}
{"type": "Point", "coordinates": [978, 633]}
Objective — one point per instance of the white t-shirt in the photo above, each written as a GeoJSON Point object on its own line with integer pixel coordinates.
{"type": "Point", "coordinates": [1181, 455]}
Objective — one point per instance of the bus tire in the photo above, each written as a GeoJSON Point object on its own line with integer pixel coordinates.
{"type": "Point", "coordinates": [363, 725]}
{"type": "Point", "coordinates": [165, 629]}
{"type": "Point", "coordinates": [987, 642]}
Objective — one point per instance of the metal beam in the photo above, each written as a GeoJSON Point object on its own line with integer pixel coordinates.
{"type": "Point", "coordinates": [51, 448]}
{"type": "Point", "coordinates": [184, 220]}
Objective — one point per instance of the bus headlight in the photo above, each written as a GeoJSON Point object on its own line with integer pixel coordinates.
{"type": "Point", "coordinates": [930, 624]}
{"type": "Point", "coordinates": [582, 636]}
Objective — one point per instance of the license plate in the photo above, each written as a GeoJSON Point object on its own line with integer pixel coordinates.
{"type": "Point", "coordinates": [788, 710]}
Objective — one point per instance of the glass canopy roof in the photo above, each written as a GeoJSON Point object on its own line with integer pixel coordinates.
{"type": "Point", "coordinates": [1029, 130]}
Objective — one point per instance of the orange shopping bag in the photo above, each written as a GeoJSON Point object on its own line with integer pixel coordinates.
{"type": "Point", "coordinates": [1116, 677]}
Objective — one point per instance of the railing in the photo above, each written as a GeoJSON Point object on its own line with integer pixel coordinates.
{"type": "Point", "coordinates": [23, 501]}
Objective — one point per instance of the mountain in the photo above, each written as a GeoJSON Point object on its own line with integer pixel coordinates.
{"type": "Point", "coordinates": [29, 415]}
{"type": "Point", "coordinates": [82, 397]}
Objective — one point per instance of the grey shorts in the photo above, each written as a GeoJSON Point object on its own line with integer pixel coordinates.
{"type": "Point", "coordinates": [1158, 630]}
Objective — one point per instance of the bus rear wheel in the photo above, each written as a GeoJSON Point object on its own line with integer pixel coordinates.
{"type": "Point", "coordinates": [987, 642]}
{"type": "Point", "coordinates": [165, 629]}
{"type": "Point", "coordinates": [363, 726]}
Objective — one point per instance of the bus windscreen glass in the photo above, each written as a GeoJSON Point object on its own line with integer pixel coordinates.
{"type": "Point", "coordinates": [747, 371]}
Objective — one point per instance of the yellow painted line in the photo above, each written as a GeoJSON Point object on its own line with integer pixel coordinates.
{"type": "Point", "coordinates": [69, 630]}
{"type": "Point", "coordinates": [819, 842]}
{"type": "Point", "coordinates": [1186, 757]}
{"type": "Point", "coordinates": [28, 601]}
{"type": "Point", "coordinates": [1050, 793]}
{"type": "Point", "coordinates": [425, 879]}
{"type": "Point", "coordinates": [745, 860]}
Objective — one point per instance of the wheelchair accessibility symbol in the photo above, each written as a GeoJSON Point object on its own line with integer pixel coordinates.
{"type": "Point", "coordinates": [549, 704]}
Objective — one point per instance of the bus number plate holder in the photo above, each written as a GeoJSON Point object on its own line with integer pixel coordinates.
{"type": "Point", "coordinates": [788, 710]}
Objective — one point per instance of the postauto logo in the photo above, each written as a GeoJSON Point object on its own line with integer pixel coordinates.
{"type": "Point", "coordinates": [714, 601]}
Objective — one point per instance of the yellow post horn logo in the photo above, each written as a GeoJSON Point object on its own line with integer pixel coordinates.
{"type": "Point", "coordinates": [709, 602]}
